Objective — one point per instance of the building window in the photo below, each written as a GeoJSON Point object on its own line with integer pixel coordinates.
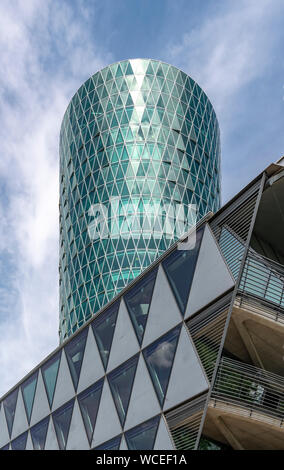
{"type": "Point", "coordinates": [61, 420]}
{"type": "Point", "coordinates": [113, 444]}
{"type": "Point", "coordinates": [143, 437]}
{"type": "Point", "coordinates": [89, 401]}
{"type": "Point", "coordinates": [103, 328]}
{"type": "Point", "coordinates": [10, 407]}
{"type": "Point", "coordinates": [28, 392]}
{"type": "Point", "coordinates": [138, 301]}
{"type": "Point", "coordinates": [49, 372]}
{"type": "Point", "coordinates": [179, 263]}
{"type": "Point", "coordinates": [38, 434]}
{"type": "Point", "coordinates": [121, 382]}
{"type": "Point", "coordinates": [159, 357]}
{"type": "Point", "coordinates": [74, 351]}
{"type": "Point", "coordinates": [20, 442]}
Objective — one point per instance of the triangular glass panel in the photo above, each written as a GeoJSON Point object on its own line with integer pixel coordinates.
{"type": "Point", "coordinates": [178, 263]}
{"type": "Point", "coordinates": [109, 75]}
{"type": "Point", "coordinates": [150, 70]}
{"type": "Point", "coordinates": [133, 84]}
{"type": "Point", "coordinates": [119, 102]}
{"type": "Point", "coordinates": [121, 382]}
{"type": "Point", "coordinates": [129, 101]}
{"type": "Point", "coordinates": [160, 102]}
{"type": "Point", "coordinates": [28, 392]}
{"type": "Point", "coordinates": [61, 420]}
{"type": "Point", "coordinates": [124, 119]}
{"type": "Point", "coordinates": [49, 372]}
{"type": "Point", "coordinates": [103, 329]}
{"type": "Point", "coordinates": [20, 442]}
{"type": "Point", "coordinates": [140, 172]}
{"type": "Point", "coordinates": [138, 301]}
{"type": "Point", "coordinates": [129, 70]}
{"type": "Point", "coordinates": [143, 436]}
{"type": "Point", "coordinates": [114, 122]}
{"type": "Point", "coordinates": [89, 401]}
{"type": "Point", "coordinates": [114, 88]}
{"type": "Point", "coordinates": [160, 72]}
{"type": "Point", "coordinates": [74, 351]}
{"type": "Point", "coordinates": [10, 407]}
{"type": "Point", "coordinates": [38, 434]}
{"type": "Point", "coordinates": [118, 72]}
{"type": "Point", "coordinates": [113, 444]}
{"type": "Point", "coordinates": [119, 138]}
{"type": "Point", "coordinates": [159, 357]}
{"type": "Point", "coordinates": [6, 447]}
{"type": "Point", "coordinates": [104, 93]}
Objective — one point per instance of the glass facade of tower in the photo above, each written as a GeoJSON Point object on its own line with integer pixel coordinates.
{"type": "Point", "coordinates": [137, 135]}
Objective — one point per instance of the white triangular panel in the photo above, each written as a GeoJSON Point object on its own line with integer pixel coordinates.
{"type": "Point", "coordinates": [4, 434]}
{"type": "Point", "coordinates": [92, 368]}
{"type": "Point", "coordinates": [51, 439]}
{"type": "Point", "coordinates": [124, 344]}
{"type": "Point", "coordinates": [29, 445]}
{"type": "Point", "coordinates": [40, 406]}
{"type": "Point", "coordinates": [211, 277]}
{"type": "Point", "coordinates": [187, 377]}
{"type": "Point", "coordinates": [77, 438]}
{"type": "Point", "coordinates": [123, 445]}
{"type": "Point", "coordinates": [143, 401]}
{"type": "Point", "coordinates": [20, 420]}
{"type": "Point", "coordinates": [107, 424]}
{"type": "Point", "coordinates": [164, 312]}
{"type": "Point", "coordinates": [64, 389]}
{"type": "Point", "coordinates": [163, 440]}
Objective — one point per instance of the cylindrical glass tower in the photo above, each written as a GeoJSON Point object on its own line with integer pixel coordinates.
{"type": "Point", "coordinates": [137, 135]}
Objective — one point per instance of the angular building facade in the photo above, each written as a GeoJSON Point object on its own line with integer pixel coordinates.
{"type": "Point", "coordinates": [167, 342]}
{"type": "Point", "coordinates": [139, 143]}
{"type": "Point", "coordinates": [188, 356]}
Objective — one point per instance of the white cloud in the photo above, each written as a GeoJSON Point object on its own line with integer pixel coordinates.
{"type": "Point", "coordinates": [230, 48]}
{"type": "Point", "coordinates": [163, 356]}
{"type": "Point", "coordinates": [229, 53]}
{"type": "Point", "coordinates": [47, 50]}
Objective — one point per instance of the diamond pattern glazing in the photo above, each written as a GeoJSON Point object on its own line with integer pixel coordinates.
{"type": "Point", "coordinates": [144, 131]}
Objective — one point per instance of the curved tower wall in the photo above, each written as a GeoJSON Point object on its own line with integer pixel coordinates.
{"type": "Point", "coordinates": [137, 135]}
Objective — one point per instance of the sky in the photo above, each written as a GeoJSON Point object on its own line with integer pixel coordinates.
{"type": "Point", "coordinates": [48, 48]}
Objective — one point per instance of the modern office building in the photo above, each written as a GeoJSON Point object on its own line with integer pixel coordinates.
{"type": "Point", "coordinates": [188, 355]}
{"type": "Point", "coordinates": [140, 142]}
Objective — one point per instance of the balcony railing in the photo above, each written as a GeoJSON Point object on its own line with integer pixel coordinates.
{"type": "Point", "coordinates": [206, 330]}
{"type": "Point", "coordinates": [250, 387]}
{"type": "Point", "coordinates": [263, 279]}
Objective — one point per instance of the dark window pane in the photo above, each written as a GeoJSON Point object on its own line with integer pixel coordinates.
{"type": "Point", "coordinates": [159, 358]}
{"type": "Point", "coordinates": [113, 444]}
{"type": "Point", "coordinates": [121, 381]}
{"type": "Point", "coordinates": [10, 406]}
{"type": "Point", "coordinates": [61, 420]}
{"type": "Point", "coordinates": [179, 268]}
{"type": "Point", "coordinates": [20, 442]}
{"type": "Point", "coordinates": [6, 447]}
{"type": "Point", "coordinates": [103, 328]}
{"type": "Point", "coordinates": [75, 352]}
{"type": "Point", "coordinates": [143, 437]}
{"type": "Point", "coordinates": [28, 392]}
{"type": "Point", "coordinates": [49, 373]}
{"type": "Point", "coordinates": [138, 301]}
{"type": "Point", "coordinates": [38, 433]}
{"type": "Point", "coordinates": [89, 401]}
